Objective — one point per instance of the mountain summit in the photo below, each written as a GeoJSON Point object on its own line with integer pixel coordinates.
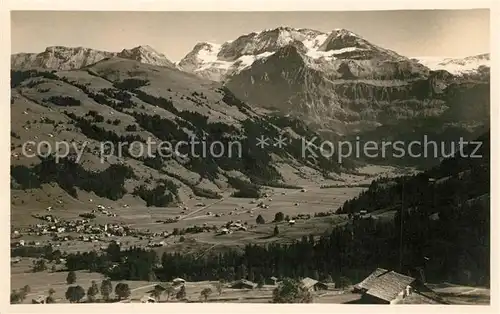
{"type": "Point", "coordinates": [70, 58]}
{"type": "Point", "coordinates": [338, 81]}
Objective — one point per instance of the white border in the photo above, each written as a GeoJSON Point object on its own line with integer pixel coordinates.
{"type": "Point", "coordinates": [238, 5]}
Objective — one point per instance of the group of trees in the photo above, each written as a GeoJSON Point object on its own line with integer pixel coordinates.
{"type": "Point", "coordinates": [75, 294]}
{"type": "Point", "coordinates": [69, 174]}
{"type": "Point", "coordinates": [164, 194]}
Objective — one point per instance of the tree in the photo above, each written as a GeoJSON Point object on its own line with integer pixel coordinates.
{"type": "Point", "coordinates": [260, 220]}
{"type": "Point", "coordinates": [15, 297]}
{"type": "Point", "coordinates": [260, 282]}
{"type": "Point", "coordinates": [156, 293]}
{"type": "Point", "coordinates": [251, 275]}
{"type": "Point", "coordinates": [343, 282]}
{"type": "Point", "coordinates": [93, 291]}
{"type": "Point", "coordinates": [291, 291]}
{"type": "Point", "coordinates": [218, 286]}
{"type": "Point", "coordinates": [181, 295]}
{"type": "Point", "coordinates": [205, 293]}
{"type": "Point", "coordinates": [276, 230]}
{"type": "Point", "coordinates": [106, 289]}
{"type": "Point", "coordinates": [23, 292]}
{"type": "Point", "coordinates": [50, 298]}
{"type": "Point", "coordinates": [279, 217]}
{"type": "Point", "coordinates": [71, 278]}
{"type": "Point", "coordinates": [328, 279]}
{"type": "Point", "coordinates": [241, 271]}
{"type": "Point", "coordinates": [39, 265]}
{"type": "Point", "coordinates": [26, 289]}
{"type": "Point", "coordinates": [113, 251]}
{"type": "Point", "coordinates": [315, 275]}
{"type": "Point", "coordinates": [169, 291]}
{"type": "Point", "coordinates": [122, 290]}
{"type": "Point", "coordinates": [74, 294]}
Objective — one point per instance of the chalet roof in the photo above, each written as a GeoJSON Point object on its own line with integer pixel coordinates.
{"type": "Point", "coordinates": [244, 282]}
{"type": "Point", "coordinates": [367, 282]}
{"type": "Point", "coordinates": [178, 280]}
{"type": "Point", "coordinates": [308, 282]}
{"type": "Point", "coordinates": [147, 298]}
{"type": "Point", "coordinates": [387, 286]}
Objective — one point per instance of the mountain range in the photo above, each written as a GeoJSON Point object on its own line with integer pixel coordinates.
{"type": "Point", "coordinates": [70, 58]}
{"type": "Point", "coordinates": [297, 82]}
{"type": "Point", "coordinates": [337, 81]}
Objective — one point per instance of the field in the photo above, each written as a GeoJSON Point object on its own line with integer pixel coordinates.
{"type": "Point", "coordinates": [41, 282]}
{"type": "Point", "coordinates": [217, 213]}
{"type": "Point", "coordinates": [212, 212]}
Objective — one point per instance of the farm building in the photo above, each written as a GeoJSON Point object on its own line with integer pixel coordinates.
{"type": "Point", "coordinates": [389, 287]}
{"type": "Point", "coordinates": [158, 287]}
{"type": "Point", "coordinates": [178, 281]}
{"type": "Point", "coordinates": [313, 285]}
{"type": "Point", "coordinates": [273, 280]}
{"type": "Point", "coordinates": [147, 299]}
{"type": "Point", "coordinates": [243, 284]}
{"type": "Point", "coordinates": [38, 300]}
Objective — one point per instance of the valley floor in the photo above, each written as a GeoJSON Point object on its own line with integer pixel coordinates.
{"type": "Point", "coordinates": [317, 196]}
{"type": "Point", "coordinates": [41, 282]}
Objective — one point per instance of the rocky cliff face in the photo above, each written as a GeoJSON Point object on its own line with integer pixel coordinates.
{"type": "Point", "coordinates": [337, 81]}
{"type": "Point", "coordinates": [69, 58]}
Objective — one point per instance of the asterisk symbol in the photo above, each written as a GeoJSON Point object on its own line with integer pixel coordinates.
{"type": "Point", "coordinates": [262, 141]}
{"type": "Point", "coordinates": [280, 141]}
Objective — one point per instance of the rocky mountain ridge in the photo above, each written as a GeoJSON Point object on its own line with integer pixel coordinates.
{"type": "Point", "coordinates": [70, 58]}
{"type": "Point", "coordinates": [338, 82]}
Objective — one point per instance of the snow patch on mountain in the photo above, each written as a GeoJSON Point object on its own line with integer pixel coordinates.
{"type": "Point", "coordinates": [217, 61]}
{"type": "Point", "coordinates": [456, 66]}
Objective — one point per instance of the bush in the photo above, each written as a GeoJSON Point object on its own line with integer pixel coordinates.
{"type": "Point", "coordinates": [131, 84]}
{"type": "Point", "coordinates": [343, 282]}
{"type": "Point", "coordinates": [122, 290]}
{"type": "Point", "coordinates": [71, 278]}
{"type": "Point", "coordinates": [64, 101]}
{"type": "Point", "coordinates": [279, 217]}
{"type": "Point", "coordinates": [75, 294]}
{"type": "Point", "coordinates": [131, 128]}
{"type": "Point", "coordinates": [291, 291]}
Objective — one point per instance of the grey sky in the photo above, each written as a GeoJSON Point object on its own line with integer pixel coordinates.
{"type": "Point", "coordinates": [453, 33]}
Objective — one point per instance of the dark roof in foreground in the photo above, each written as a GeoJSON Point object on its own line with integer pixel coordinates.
{"type": "Point", "coordinates": [368, 281]}
{"type": "Point", "coordinates": [388, 285]}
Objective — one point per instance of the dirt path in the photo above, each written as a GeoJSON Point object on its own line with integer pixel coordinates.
{"type": "Point", "coordinates": [201, 208]}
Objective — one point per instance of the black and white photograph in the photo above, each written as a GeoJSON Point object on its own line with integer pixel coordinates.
{"type": "Point", "coordinates": [331, 157]}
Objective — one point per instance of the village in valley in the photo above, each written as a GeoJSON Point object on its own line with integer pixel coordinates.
{"type": "Point", "coordinates": [55, 237]}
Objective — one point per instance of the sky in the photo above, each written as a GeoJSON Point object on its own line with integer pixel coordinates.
{"type": "Point", "coordinates": [440, 33]}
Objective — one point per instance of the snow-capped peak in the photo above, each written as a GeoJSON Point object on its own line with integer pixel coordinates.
{"type": "Point", "coordinates": [234, 56]}
{"type": "Point", "coordinates": [456, 66]}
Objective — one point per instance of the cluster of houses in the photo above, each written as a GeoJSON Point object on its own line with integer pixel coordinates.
{"type": "Point", "coordinates": [232, 226]}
